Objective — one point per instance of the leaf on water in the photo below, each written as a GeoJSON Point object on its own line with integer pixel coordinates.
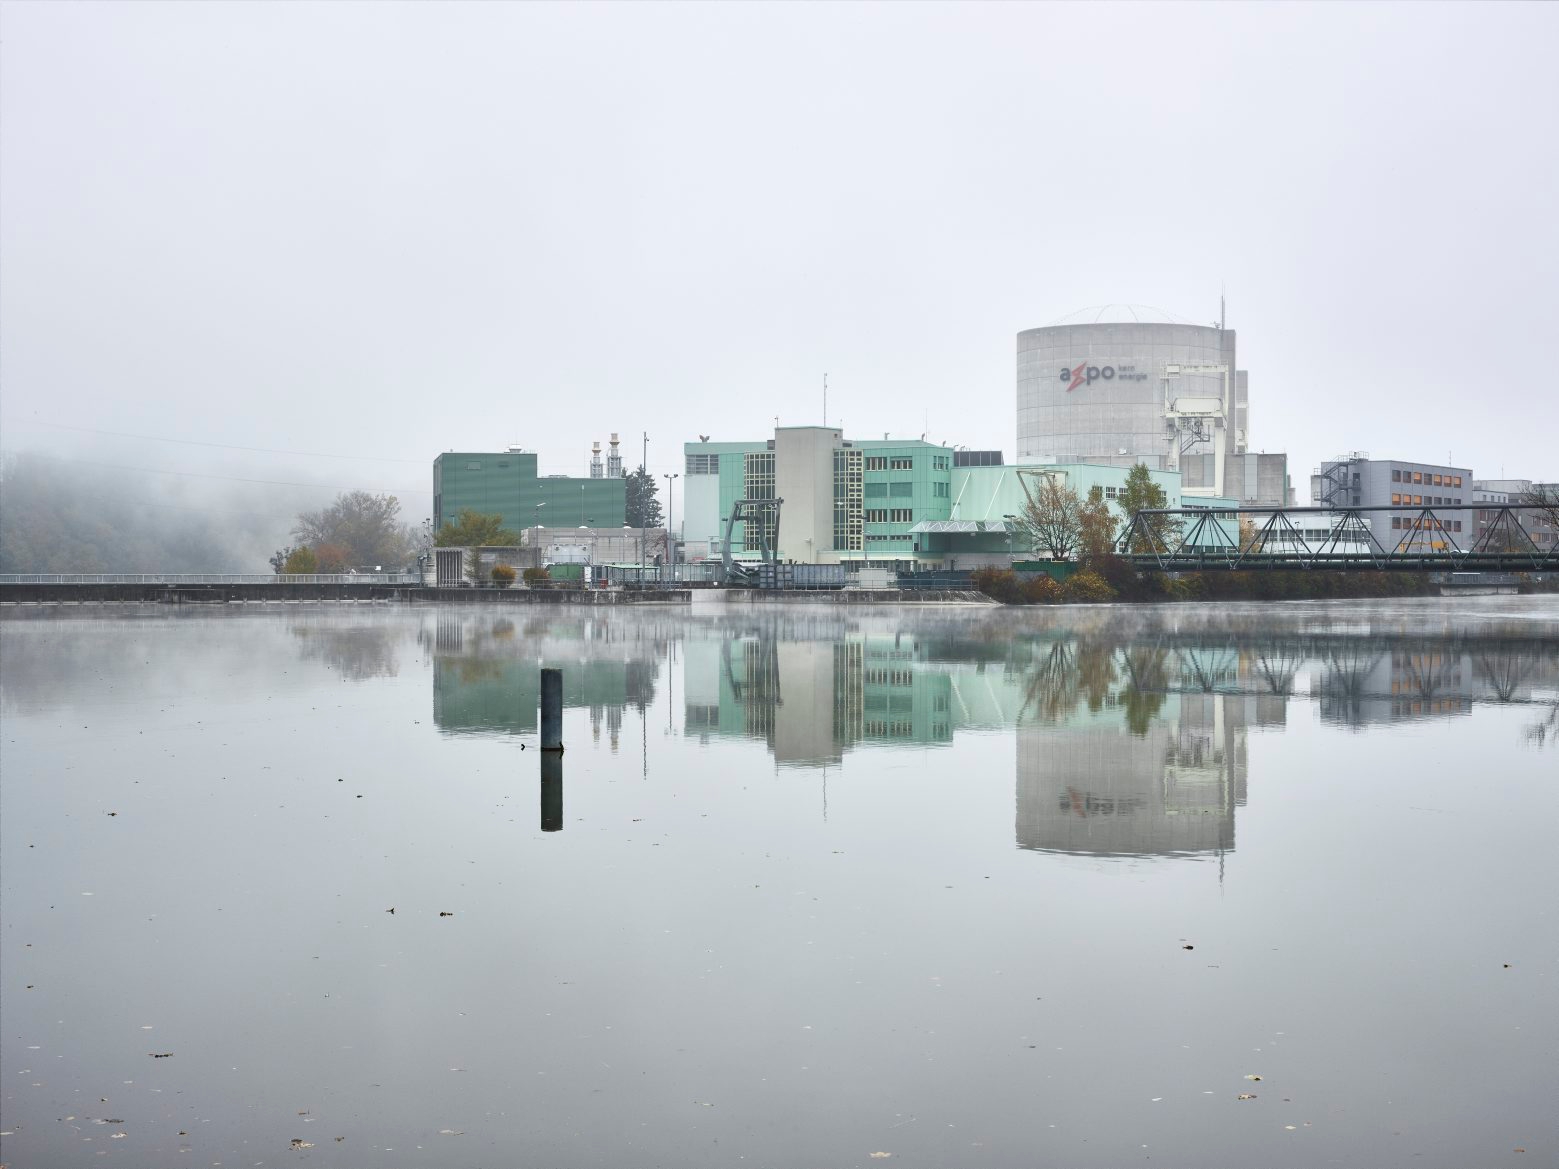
{"type": "Point", "coordinates": [300, 1143]}
{"type": "Point", "coordinates": [882, 1154]}
{"type": "Point", "coordinates": [1247, 1096]}
{"type": "Point", "coordinates": [1253, 1076]}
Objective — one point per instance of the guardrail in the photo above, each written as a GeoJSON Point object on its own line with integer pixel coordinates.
{"type": "Point", "coordinates": [205, 578]}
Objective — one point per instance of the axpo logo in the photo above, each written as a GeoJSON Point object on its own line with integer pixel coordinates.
{"type": "Point", "coordinates": [1086, 375]}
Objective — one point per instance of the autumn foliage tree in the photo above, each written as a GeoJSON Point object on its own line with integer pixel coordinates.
{"type": "Point", "coordinates": [364, 528]}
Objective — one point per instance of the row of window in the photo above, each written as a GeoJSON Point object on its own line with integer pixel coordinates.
{"type": "Point", "coordinates": [1423, 500]}
{"type": "Point", "coordinates": [1427, 477]}
{"type": "Point", "coordinates": [876, 490]}
{"type": "Point", "coordinates": [703, 464]}
{"type": "Point", "coordinates": [890, 515]}
{"type": "Point", "coordinates": [1418, 523]}
{"type": "Point", "coordinates": [894, 463]}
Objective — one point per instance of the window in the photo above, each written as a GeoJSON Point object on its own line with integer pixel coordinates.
{"type": "Point", "coordinates": [901, 515]}
{"type": "Point", "coordinates": [876, 515]}
{"type": "Point", "coordinates": [901, 463]}
{"type": "Point", "coordinates": [473, 466]}
{"type": "Point", "coordinates": [940, 490]}
{"type": "Point", "coordinates": [1396, 475]}
{"type": "Point", "coordinates": [1109, 493]}
{"type": "Point", "coordinates": [1418, 476]}
{"type": "Point", "coordinates": [1457, 480]}
{"type": "Point", "coordinates": [703, 464]}
{"type": "Point", "coordinates": [1396, 521]}
{"type": "Point", "coordinates": [902, 490]}
{"type": "Point", "coordinates": [873, 490]}
{"type": "Point", "coordinates": [876, 463]}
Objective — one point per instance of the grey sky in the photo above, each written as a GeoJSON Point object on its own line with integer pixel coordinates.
{"type": "Point", "coordinates": [391, 230]}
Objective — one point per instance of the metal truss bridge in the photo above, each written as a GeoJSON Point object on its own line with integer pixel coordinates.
{"type": "Point", "coordinates": [1188, 539]}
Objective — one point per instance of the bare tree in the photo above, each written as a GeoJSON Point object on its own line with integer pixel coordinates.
{"type": "Point", "coordinates": [1544, 497]}
{"type": "Point", "coordinates": [1052, 519]}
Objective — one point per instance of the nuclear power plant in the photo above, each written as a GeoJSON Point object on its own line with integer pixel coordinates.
{"type": "Point", "coordinates": [1125, 384]}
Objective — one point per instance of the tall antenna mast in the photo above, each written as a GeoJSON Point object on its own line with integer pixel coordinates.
{"type": "Point", "coordinates": [825, 399]}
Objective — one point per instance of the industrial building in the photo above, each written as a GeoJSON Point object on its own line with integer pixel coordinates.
{"type": "Point", "coordinates": [506, 483]}
{"type": "Point", "coordinates": [1368, 485]}
{"type": "Point", "coordinates": [1122, 385]}
{"type": "Point", "coordinates": [1539, 526]}
{"type": "Point", "coordinates": [902, 503]}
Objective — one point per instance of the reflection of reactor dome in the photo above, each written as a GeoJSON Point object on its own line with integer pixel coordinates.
{"type": "Point", "coordinates": [1122, 314]}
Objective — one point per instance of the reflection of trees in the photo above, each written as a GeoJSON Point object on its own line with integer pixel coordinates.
{"type": "Point", "coordinates": [1545, 728]}
{"type": "Point", "coordinates": [356, 651]}
{"type": "Point", "coordinates": [1147, 682]}
{"type": "Point", "coordinates": [1066, 674]}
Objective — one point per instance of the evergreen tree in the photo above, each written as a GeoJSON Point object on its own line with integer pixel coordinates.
{"type": "Point", "coordinates": [642, 508]}
{"type": "Point", "coordinates": [1141, 494]}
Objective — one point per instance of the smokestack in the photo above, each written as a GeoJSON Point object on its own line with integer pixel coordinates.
{"type": "Point", "coordinates": [595, 460]}
{"type": "Point", "coordinates": [614, 461]}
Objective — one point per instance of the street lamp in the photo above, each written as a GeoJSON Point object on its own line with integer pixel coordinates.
{"type": "Point", "coordinates": [671, 545]}
{"type": "Point", "coordinates": [581, 505]}
{"type": "Point", "coordinates": [1007, 524]}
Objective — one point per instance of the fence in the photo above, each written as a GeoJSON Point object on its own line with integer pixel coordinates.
{"type": "Point", "coordinates": [204, 578]}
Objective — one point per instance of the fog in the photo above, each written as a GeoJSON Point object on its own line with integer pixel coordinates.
{"type": "Point", "coordinates": [338, 239]}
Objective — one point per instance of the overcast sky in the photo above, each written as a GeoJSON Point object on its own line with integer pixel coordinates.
{"type": "Point", "coordinates": [389, 230]}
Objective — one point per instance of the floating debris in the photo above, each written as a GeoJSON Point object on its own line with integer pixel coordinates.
{"type": "Point", "coordinates": [1188, 946]}
{"type": "Point", "coordinates": [300, 1143]}
{"type": "Point", "coordinates": [1247, 1096]}
{"type": "Point", "coordinates": [445, 913]}
{"type": "Point", "coordinates": [160, 1054]}
{"type": "Point", "coordinates": [1253, 1076]}
{"type": "Point", "coordinates": [882, 1154]}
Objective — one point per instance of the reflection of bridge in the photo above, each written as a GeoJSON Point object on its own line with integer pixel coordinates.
{"type": "Point", "coordinates": [1187, 539]}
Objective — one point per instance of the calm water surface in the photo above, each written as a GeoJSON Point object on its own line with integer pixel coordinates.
{"type": "Point", "coordinates": [962, 888]}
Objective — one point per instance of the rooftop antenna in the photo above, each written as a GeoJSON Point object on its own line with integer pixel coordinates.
{"type": "Point", "coordinates": [825, 399]}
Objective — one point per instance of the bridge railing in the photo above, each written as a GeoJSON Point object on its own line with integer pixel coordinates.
{"type": "Point", "coordinates": [210, 578]}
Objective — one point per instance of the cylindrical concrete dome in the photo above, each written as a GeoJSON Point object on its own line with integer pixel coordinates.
{"type": "Point", "coordinates": [1094, 392]}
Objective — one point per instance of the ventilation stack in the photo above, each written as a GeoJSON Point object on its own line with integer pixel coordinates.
{"type": "Point", "coordinates": [614, 461]}
{"type": "Point", "coordinates": [595, 460]}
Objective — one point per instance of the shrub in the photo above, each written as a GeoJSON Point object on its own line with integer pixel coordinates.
{"type": "Point", "coordinates": [1041, 590]}
{"type": "Point", "coordinates": [1000, 584]}
{"type": "Point", "coordinates": [1087, 586]}
{"type": "Point", "coordinates": [503, 575]}
{"type": "Point", "coordinates": [532, 575]}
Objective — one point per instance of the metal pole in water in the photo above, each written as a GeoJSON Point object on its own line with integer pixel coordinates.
{"type": "Point", "coordinates": [552, 791]}
{"type": "Point", "coordinates": [552, 710]}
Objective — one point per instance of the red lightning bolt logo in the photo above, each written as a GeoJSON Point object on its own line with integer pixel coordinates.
{"type": "Point", "coordinates": [1077, 377]}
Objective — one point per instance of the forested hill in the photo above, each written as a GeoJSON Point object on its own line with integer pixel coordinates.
{"type": "Point", "coordinates": [69, 516]}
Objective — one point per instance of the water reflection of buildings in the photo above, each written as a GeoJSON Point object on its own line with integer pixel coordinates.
{"type": "Point", "coordinates": [1094, 784]}
{"type": "Point", "coordinates": [1361, 685]}
{"type": "Point", "coordinates": [487, 673]}
{"type": "Point", "coordinates": [811, 701]}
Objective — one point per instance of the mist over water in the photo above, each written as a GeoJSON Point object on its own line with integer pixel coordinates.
{"type": "Point", "coordinates": [1212, 887]}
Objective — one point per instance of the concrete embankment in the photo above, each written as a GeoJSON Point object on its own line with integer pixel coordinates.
{"type": "Point", "coordinates": [292, 594]}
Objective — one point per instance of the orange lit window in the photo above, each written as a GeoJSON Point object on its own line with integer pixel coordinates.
{"type": "Point", "coordinates": [1458, 482]}
{"type": "Point", "coordinates": [1396, 497]}
{"type": "Point", "coordinates": [1437, 481]}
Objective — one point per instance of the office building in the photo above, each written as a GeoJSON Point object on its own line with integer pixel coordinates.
{"type": "Point", "coordinates": [1369, 485]}
{"type": "Point", "coordinates": [505, 483]}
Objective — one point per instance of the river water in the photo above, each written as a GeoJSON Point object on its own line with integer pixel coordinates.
{"type": "Point", "coordinates": [1248, 885]}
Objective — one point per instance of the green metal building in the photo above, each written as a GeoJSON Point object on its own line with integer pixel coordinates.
{"type": "Point", "coordinates": [506, 483]}
{"type": "Point", "coordinates": [903, 503]}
